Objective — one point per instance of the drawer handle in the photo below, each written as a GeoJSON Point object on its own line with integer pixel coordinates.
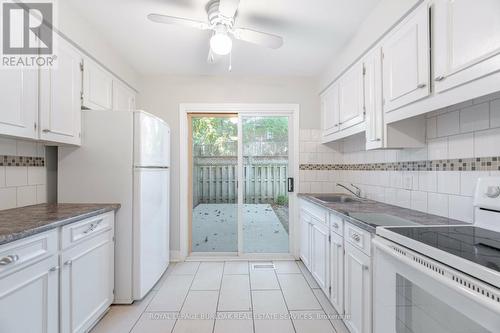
{"type": "Point", "coordinates": [356, 237]}
{"type": "Point", "coordinates": [335, 225]}
{"type": "Point", "coordinates": [93, 226]}
{"type": "Point", "coordinates": [53, 269]}
{"type": "Point", "coordinates": [421, 85]}
{"type": "Point", "coordinates": [440, 78]}
{"type": "Point", "coordinates": [68, 262]}
{"type": "Point", "coordinates": [10, 259]}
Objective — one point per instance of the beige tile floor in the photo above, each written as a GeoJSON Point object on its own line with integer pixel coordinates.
{"type": "Point", "coordinates": [231, 296]}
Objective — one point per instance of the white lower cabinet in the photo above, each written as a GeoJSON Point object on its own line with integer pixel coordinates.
{"type": "Point", "coordinates": [305, 238]}
{"type": "Point", "coordinates": [338, 255]}
{"type": "Point", "coordinates": [319, 253]}
{"type": "Point", "coordinates": [47, 289]}
{"type": "Point", "coordinates": [86, 282]}
{"type": "Point", "coordinates": [357, 290]}
{"type": "Point", "coordinates": [29, 298]}
{"type": "Point", "coordinates": [337, 272]}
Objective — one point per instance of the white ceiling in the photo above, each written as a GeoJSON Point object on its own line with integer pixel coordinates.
{"type": "Point", "coordinates": [314, 32]}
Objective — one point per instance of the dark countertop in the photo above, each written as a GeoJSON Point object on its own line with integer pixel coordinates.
{"type": "Point", "coordinates": [26, 221]}
{"type": "Point", "coordinates": [345, 210]}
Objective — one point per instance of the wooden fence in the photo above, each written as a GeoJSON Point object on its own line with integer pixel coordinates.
{"type": "Point", "coordinates": [263, 183]}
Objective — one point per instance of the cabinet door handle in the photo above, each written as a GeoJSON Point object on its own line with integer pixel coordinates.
{"type": "Point", "coordinates": [421, 85]}
{"type": "Point", "coordinates": [46, 130]}
{"type": "Point", "coordinates": [53, 269]}
{"type": "Point", "coordinates": [335, 225]}
{"type": "Point", "coordinates": [356, 237]}
{"type": "Point", "coordinates": [440, 78]}
{"type": "Point", "coordinates": [10, 259]}
{"type": "Point", "coordinates": [68, 262]}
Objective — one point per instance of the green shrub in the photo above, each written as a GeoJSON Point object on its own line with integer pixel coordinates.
{"type": "Point", "coordinates": [281, 200]}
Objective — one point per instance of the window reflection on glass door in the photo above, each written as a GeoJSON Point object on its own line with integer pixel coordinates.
{"type": "Point", "coordinates": [265, 153]}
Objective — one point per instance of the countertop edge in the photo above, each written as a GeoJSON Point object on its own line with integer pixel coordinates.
{"type": "Point", "coordinates": [6, 239]}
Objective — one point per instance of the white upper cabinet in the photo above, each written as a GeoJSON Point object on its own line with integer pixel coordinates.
{"type": "Point", "coordinates": [97, 86]}
{"type": "Point", "coordinates": [123, 97]}
{"type": "Point", "coordinates": [373, 99]}
{"type": "Point", "coordinates": [406, 64]}
{"type": "Point", "coordinates": [467, 41]}
{"type": "Point", "coordinates": [330, 110]}
{"type": "Point", "coordinates": [60, 97]}
{"type": "Point", "coordinates": [19, 102]}
{"type": "Point", "coordinates": [351, 104]}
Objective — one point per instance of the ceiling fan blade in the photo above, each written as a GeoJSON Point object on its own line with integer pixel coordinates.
{"type": "Point", "coordinates": [258, 37]}
{"type": "Point", "coordinates": [228, 8]}
{"type": "Point", "coordinates": [158, 18]}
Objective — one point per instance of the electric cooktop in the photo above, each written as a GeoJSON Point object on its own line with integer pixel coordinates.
{"type": "Point", "coordinates": [478, 245]}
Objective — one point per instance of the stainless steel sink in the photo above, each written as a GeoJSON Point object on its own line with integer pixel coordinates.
{"type": "Point", "coordinates": [337, 198]}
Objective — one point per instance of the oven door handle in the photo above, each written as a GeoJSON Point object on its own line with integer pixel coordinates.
{"type": "Point", "coordinates": [482, 300]}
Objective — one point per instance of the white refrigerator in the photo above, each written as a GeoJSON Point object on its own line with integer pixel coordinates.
{"type": "Point", "coordinates": [125, 159]}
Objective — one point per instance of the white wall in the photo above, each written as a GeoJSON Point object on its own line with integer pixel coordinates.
{"type": "Point", "coordinates": [74, 26]}
{"type": "Point", "coordinates": [162, 95]}
{"type": "Point", "coordinates": [381, 19]}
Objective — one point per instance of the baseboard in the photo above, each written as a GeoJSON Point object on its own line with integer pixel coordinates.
{"type": "Point", "coordinates": [175, 256]}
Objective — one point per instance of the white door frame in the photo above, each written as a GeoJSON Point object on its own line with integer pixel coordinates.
{"type": "Point", "coordinates": [293, 110]}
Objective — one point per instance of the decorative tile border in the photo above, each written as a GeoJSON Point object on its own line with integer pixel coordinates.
{"type": "Point", "coordinates": [460, 164]}
{"type": "Point", "coordinates": [6, 160]}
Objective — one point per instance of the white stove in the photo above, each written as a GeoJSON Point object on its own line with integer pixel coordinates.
{"type": "Point", "coordinates": [441, 279]}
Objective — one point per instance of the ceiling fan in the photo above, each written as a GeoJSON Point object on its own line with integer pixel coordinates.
{"type": "Point", "coordinates": [221, 21]}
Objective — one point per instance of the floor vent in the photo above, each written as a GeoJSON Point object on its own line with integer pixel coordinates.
{"type": "Point", "coordinates": [263, 266]}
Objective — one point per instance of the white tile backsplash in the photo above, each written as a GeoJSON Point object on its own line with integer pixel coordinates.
{"type": "Point", "coordinates": [461, 146]}
{"type": "Point", "coordinates": [8, 197]}
{"type": "Point", "coordinates": [431, 127]}
{"type": "Point", "coordinates": [495, 113]}
{"type": "Point", "coordinates": [475, 118]}
{"type": "Point", "coordinates": [16, 176]}
{"type": "Point", "coordinates": [466, 130]}
{"type": "Point", "coordinates": [486, 143]}
{"type": "Point", "coordinates": [22, 185]}
{"type": "Point", "coordinates": [460, 208]}
{"type": "Point", "coordinates": [26, 195]}
{"type": "Point", "coordinates": [448, 124]}
{"type": "Point", "coordinates": [448, 182]}
{"type": "Point", "coordinates": [419, 201]}
{"type": "Point", "coordinates": [438, 148]}
{"type": "Point", "coordinates": [8, 147]}
{"type": "Point", "coordinates": [437, 204]}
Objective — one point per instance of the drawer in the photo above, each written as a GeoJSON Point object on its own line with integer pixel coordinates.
{"type": "Point", "coordinates": [28, 250]}
{"type": "Point", "coordinates": [337, 224]}
{"type": "Point", "coordinates": [76, 232]}
{"type": "Point", "coordinates": [315, 211]}
{"type": "Point", "coordinates": [358, 237]}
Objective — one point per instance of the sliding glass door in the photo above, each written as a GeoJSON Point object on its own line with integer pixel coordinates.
{"type": "Point", "coordinates": [240, 168]}
{"type": "Point", "coordinates": [265, 162]}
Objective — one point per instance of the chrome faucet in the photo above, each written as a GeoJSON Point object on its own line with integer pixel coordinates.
{"type": "Point", "coordinates": [358, 190]}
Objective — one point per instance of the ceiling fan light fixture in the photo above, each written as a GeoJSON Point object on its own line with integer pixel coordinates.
{"type": "Point", "coordinates": [221, 43]}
